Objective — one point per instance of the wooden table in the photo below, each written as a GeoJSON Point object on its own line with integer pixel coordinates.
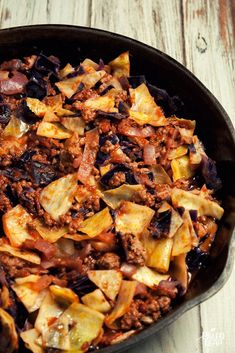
{"type": "Point", "coordinates": [201, 35]}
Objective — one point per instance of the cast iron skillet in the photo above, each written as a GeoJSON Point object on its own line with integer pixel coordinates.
{"type": "Point", "coordinates": [214, 128]}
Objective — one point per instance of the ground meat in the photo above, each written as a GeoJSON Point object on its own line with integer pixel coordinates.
{"type": "Point", "coordinates": [5, 204]}
{"type": "Point", "coordinates": [135, 252]}
{"type": "Point", "coordinates": [164, 303]}
{"type": "Point", "coordinates": [141, 313]}
{"type": "Point", "coordinates": [28, 196]}
{"type": "Point", "coordinates": [109, 261]}
{"type": "Point", "coordinates": [17, 267]}
{"type": "Point", "coordinates": [118, 179]}
{"type": "Point", "coordinates": [85, 94]}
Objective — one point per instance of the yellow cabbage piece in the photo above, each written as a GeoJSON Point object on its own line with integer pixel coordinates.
{"type": "Point", "coordinates": [57, 197]}
{"type": "Point", "coordinates": [104, 103]}
{"type": "Point", "coordinates": [178, 152]}
{"type": "Point", "coordinates": [15, 225]}
{"type": "Point", "coordinates": [181, 168]}
{"type": "Point", "coordinates": [144, 110]}
{"type": "Point", "coordinates": [133, 218]}
{"type": "Point", "coordinates": [49, 311]}
{"type": "Point", "coordinates": [96, 224]}
{"type": "Point", "coordinates": [179, 271]}
{"type": "Point", "coordinates": [68, 69]}
{"type": "Point", "coordinates": [175, 221]}
{"type": "Point", "coordinates": [190, 201]}
{"type": "Point", "coordinates": [30, 338]}
{"type": "Point", "coordinates": [36, 106]}
{"type": "Point", "coordinates": [182, 240]}
{"type": "Point", "coordinates": [8, 332]}
{"type": "Point", "coordinates": [88, 63]}
{"type": "Point", "coordinates": [160, 175]}
{"type": "Point", "coordinates": [15, 128]}
{"type": "Point", "coordinates": [108, 281]}
{"type": "Point", "coordinates": [22, 254]}
{"type": "Point", "coordinates": [69, 86]}
{"type": "Point", "coordinates": [158, 252]}
{"type": "Point", "coordinates": [63, 296]}
{"type": "Point", "coordinates": [105, 168]}
{"type": "Point", "coordinates": [53, 130]}
{"type": "Point", "coordinates": [31, 298]}
{"type": "Point", "coordinates": [75, 329]}
{"type": "Point", "coordinates": [50, 234]}
{"type": "Point", "coordinates": [74, 124]}
{"type": "Point", "coordinates": [50, 109]}
{"type": "Point", "coordinates": [123, 302]}
{"type": "Point", "coordinates": [149, 277]}
{"type": "Point", "coordinates": [114, 197]}
{"type": "Point", "coordinates": [96, 300]}
{"type": "Point", "coordinates": [120, 66]}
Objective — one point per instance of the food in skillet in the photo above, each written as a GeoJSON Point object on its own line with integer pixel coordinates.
{"type": "Point", "coordinates": [106, 204]}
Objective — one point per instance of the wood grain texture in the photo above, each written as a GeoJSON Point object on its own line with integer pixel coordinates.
{"type": "Point", "coordinates": [201, 35]}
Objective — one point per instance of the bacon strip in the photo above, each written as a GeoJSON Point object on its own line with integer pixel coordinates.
{"type": "Point", "coordinates": [89, 156]}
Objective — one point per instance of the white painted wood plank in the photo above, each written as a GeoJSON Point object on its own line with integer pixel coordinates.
{"type": "Point", "coordinates": [155, 22]}
{"type": "Point", "coordinates": [210, 54]}
{"type": "Point", "coordinates": [26, 12]}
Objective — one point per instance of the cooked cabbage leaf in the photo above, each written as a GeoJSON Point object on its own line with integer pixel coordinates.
{"type": "Point", "coordinates": [30, 338]}
{"type": "Point", "coordinates": [53, 130]}
{"type": "Point", "coordinates": [50, 234]}
{"type": "Point", "coordinates": [15, 225]}
{"type": "Point", "coordinates": [104, 103]}
{"type": "Point", "coordinates": [15, 128]}
{"type": "Point", "coordinates": [63, 296]}
{"type": "Point", "coordinates": [158, 252]}
{"type": "Point", "coordinates": [144, 110]}
{"type": "Point", "coordinates": [75, 329]}
{"type": "Point", "coordinates": [31, 298]}
{"type": "Point", "coordinates": [96, 300]}
{"type": "Point", "coordinates": [70, 86]}
{"type": "Point", "coordinates": [57, 197]}
{"type": "Point", "coordinates": [133, 218]}
{"type": "Point", "coordinates": [114, 197]}
{"type": "Point", "coordinates": [181, 168]}
{"type": "Point", "coordinates": [190, 201]}
{"type": "Point", "coordinates": [74, 124]}
{"type": "Point", "coordinates": [149, 277]}
{"type": "Point", "coordinates": [96, 224]}
{"type": "Point", "coordinates": [108, 281]}
{"type": "Point", "coordinates": [120, 66]}
{"type": "Point", "coordinates": [22, 254]}
{"type": "Point", "coordinates": [160, 175]}
{"type": "Point", "coordinates": [48, 312]}
{"type": "Point", "coordinates": [125, 296]}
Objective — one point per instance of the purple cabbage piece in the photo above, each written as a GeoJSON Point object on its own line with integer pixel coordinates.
{"type": "Point", "coordinates": [196, 259]}
{"type": "Point", "coordinates": [25, 114]}
{"type": "Point", "coordinates": [209, 173]}
{"type": "Point", "coordinates": [193, 215]}
{"type": "Point", "coordinates": [42, 174]}
{"type": "Point", "coordinates": [160, 226]}
{"type": "Point", "coordinates": [108, 88]}
{"type": "Point", "coordinates": [46, 64]}
{"type": "Point", "coordinates": [101, 114]}
{"type": "Point", "coordinates": [170, 105]}
{"type": "Point", "coordinates": [36, 87]}
{"type": "Point", "coordinates": [5, 113]}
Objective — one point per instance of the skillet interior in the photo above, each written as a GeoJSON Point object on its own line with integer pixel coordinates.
{"type": "Point", "coordinates": [214, 128]}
